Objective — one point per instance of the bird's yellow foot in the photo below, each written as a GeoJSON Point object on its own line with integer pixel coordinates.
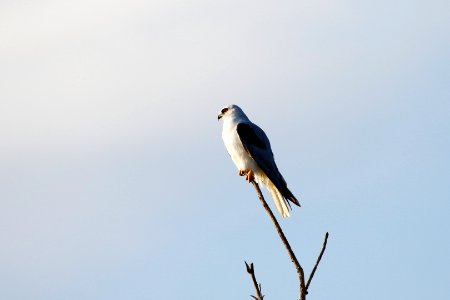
{"type": "Point", "coordinates": [242, 172]}
{"type": "Point", "coordinates": [250, 177]}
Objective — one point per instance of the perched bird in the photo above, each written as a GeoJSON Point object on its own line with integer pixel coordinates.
{"type": "Point", "coordinates": [250, 151]}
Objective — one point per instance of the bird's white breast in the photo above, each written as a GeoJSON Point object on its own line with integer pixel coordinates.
{"type": "Point", "coordinates": [239, 155]}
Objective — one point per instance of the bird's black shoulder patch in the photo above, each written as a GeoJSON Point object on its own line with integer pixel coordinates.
{"type": "Point", "coordinates": [249, 137]}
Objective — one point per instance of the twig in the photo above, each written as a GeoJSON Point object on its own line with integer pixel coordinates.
{"type": "Point", "coordinates": [317, 262]}
{"type": "Point", "coordinates": [251, 271]}
{"type": "Point", "coordinates": [298, 267]}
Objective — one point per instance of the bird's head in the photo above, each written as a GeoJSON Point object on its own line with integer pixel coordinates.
{"type": "Point", "coordinates": [230, 111]}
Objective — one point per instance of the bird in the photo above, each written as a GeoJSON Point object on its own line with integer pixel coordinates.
{"type": "Point", "coordinates": [250, 151]}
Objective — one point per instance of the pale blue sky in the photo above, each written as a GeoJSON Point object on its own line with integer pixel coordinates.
{"type": "Point", "coordinates": [115, 183]}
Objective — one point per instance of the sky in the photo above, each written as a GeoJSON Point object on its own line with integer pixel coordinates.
{"type": "Point", "coordinates": [115, 184]}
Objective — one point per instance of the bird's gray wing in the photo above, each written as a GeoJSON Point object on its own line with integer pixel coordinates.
{"type": "Point", "coordinates": [257, 145]}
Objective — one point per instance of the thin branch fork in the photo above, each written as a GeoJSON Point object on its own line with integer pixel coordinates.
{"type": "Point", "coordinates": [251, 271]}
{"type": "Point", "coordinates": [298, 267]}
{"type": "Point", "coordinates": [313, 271]}
{"type": "Point", "coordinates": [301, 275]}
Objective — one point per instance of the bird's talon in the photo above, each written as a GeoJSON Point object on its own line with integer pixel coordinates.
{"type": "Point", "coordinates": [249, 177]}
{"type": "Point", "coordinates": [242, 172]}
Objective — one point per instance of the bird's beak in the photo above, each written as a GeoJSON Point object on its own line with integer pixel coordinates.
{"type": "Point", "coordinates": [219, 117]}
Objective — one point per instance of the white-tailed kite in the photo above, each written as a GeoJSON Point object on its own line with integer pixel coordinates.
{"type": "Point", "coordinates": [250, 151]}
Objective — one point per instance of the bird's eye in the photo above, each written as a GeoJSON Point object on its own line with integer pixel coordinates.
{"type": "Point", "coordinates": [224, 110]}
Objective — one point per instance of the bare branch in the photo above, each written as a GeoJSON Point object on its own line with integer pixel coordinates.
{"type": "Point", "coordinates": [317, 262]}
{"type": "Point", "coordinates": [251, 271]}
{"type": "Point", "coordinates": [298, 267]}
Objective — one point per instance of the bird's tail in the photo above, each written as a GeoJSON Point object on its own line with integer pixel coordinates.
{"type": "Point", "coordinates": [280, 202]}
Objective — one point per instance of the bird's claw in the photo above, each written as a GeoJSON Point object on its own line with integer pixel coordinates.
{"type": "Point", "coordinates": [249, 177]}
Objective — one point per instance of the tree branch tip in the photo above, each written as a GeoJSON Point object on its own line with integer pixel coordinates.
{"type": "Point", "coordinates": [250, 268]}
